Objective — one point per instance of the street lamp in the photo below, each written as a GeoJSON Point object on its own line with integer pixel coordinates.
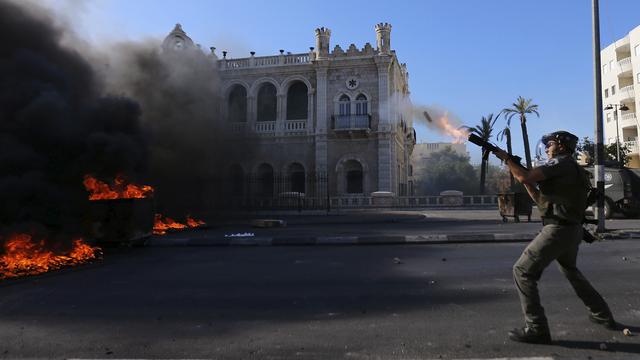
{"type": "Point", "coordinates": [616, 107]}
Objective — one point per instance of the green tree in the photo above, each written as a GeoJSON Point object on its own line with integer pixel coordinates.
{"type": "Point", "coordinates": [445, 170]}
{"type": "Point", "coordinates": [522, 107]}
{"type": "Point", "coordinates": [497, 180]}
{"type": "Point", "coordinates": [506, 134]}
{"type": "Point", "coordinates": [484, 130]}
{"type": "Point", "coordinates": [586, 145]}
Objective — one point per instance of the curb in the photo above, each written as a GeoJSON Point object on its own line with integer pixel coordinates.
{"type": "Point", "coordinates": [363, 240]}
{"type": "Point", "coordinates": [341, 240]}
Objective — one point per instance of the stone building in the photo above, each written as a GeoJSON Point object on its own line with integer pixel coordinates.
{"type": "Point", "coordinates": [343, 113]}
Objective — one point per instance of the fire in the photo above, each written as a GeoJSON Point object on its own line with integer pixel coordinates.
{"type": "Point", "coordinates": [459, 135]}
{"type": "Point", "coordinates": [121, 190]}
{"type": "Point", "coordinates": [441, 121]}
{"type": "Point", "coordinates": [24, 257]}
{"type": "Point", "coordinates": [191, 222]}
{"type": "Point", "coordinates": [163, 224]}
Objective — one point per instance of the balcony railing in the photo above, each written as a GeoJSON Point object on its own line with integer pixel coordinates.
{"type": "Point", "coordinates": [624, 65]}
{"type": "Point", "coordinates": [238, 127]}
{"type": "Point", "coordinates": [295, 126]}
{"type": "Point", "coordinates": [628, 119]}
{"type": "Point", "coordinates": [352, 122]}
{"type": "Point", "coordinates": [627, 92]}
{"type": "Point", "coordinates": [263, 61]}
{"type": "Point", "coordinates": [265, 127]}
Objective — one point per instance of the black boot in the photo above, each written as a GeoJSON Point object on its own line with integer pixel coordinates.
{"type": "Point", "coordinates": [529, 335]}
{"type": "Point", "coordinates": [606, 321]}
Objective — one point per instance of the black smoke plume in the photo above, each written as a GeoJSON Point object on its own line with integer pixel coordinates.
{"type": "Point", "coordinates": [179, 94]}
{"type": "Point", "coordinates": [55, 126]}
{"type": "Point", "coordinates": [132, 109]}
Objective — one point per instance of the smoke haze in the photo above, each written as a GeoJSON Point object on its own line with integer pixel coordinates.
{"type": "Point", "coordinates": [178, 92]}
{"type": "Point", "coordinates": [54, 126]}
{"type": "Point", "coordinates": [67, 110]}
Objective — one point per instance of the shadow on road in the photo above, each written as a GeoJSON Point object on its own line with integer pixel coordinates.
{"type": "Point", "coordinates": [617, 347]}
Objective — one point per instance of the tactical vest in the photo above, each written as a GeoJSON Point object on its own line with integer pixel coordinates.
{"type": "Point", "coordinates": [564, 197]}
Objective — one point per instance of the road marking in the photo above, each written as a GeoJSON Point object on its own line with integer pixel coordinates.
{"type": "Point", "coordinates": [423, 238]}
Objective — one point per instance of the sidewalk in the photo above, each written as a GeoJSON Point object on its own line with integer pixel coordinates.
{"type": "Point", "coordinates": [378, 227]}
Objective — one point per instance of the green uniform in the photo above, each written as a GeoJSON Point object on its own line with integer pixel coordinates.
{"type": "Point", "coordinates": [562, 202]}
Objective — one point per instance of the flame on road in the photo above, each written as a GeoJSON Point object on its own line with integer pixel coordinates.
{"type": "Point", "coordinates": [99, 190]}
{"type": "Point", "coordinates": [22, 256]}
{"type": "Point", "coordinates": [163, 224]}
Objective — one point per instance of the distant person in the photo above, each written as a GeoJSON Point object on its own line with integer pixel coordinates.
{"type": "Point", "coordinates": [559, 188]}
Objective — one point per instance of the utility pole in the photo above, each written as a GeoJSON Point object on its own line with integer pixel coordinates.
{"type": "Point", "coordinates": [599, 138]}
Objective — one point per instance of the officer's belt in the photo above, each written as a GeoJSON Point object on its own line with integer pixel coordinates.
{"type": "Point", "coordinates": [556, 221]}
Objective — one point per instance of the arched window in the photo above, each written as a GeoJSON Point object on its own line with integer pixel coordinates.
{"type": "Point", "coordinates": [362, 106]}
{"type": "Point", "coordinates": [267, 103]}
{"type": "Point", "coordinates": [345, 105]}
{"type": "Point", "coordinates": [236, 176]}
{"type": "Point", "coordinates": [237, 104]}
{"type": "Point", "coordinates": [296, 177]}
{"type": "Point", "coordinates": [297, 101]}
{"type": "Point", "coordinates": [265, 180]}
{"type": "Point", "coordinates": [354, 177]}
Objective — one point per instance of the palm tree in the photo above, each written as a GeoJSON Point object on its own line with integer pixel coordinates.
{"type": "Point", "coordinates": [506, 133]}
{"type": "Point", "coordinates": [522, 107]}
{"type": "Point", "coordinates": [484, 131]}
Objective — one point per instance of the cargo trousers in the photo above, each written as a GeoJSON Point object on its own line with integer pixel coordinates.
{"type": "Point", "coordinates": [560, 243]}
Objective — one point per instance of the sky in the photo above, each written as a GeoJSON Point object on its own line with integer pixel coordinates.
{"type": "Point", "coordinates": [470, 57]}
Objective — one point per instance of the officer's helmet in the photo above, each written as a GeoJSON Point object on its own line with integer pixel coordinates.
{"type": "Point", "coordinates": [567, 139]}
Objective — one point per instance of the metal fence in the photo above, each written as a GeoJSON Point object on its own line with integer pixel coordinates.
{"type": "Point", "coordinates": [294, 191]}
{"type": "Point", "coordinates": [310, 191]}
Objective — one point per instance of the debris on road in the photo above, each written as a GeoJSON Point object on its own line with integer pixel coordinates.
{"type": "Point", "coordinates": [624, 258]}
{"type": "Point", "coordinates": [444, 259]}
{"type": "Point", "coordinates": [626, 332]}
{"type": "Point", "coordinates": [244, 234]}
{"type": "Point", "coordinates": [268, 223]}
{"type": "Point", "coordinates": [397, 260]}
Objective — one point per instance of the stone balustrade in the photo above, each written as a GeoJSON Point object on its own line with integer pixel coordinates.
{"type": "Point", "coordinates": [356, 201]}
{"type": "Point", "coordinates": [295, 125]}
{"type": "Point", "coordinates": [238, 127]}
{"type": "Point", "coordinates": [264, 61]}
{"type": "Point", "coordinates": [264, 127]}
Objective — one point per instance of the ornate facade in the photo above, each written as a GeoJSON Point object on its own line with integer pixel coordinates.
{"type": "Point", "coordinates": [343, 113]}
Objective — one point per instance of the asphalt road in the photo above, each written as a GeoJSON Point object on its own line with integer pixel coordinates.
{"type": "Point", "coordinates": [314, 302]}
{"type": "Point", "coordinates": [390, 223]}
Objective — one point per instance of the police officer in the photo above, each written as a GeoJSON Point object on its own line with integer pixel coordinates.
{"type": "Point", "coordinates": [559, 188]}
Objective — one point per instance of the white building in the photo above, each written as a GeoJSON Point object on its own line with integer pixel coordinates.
{"type": "Point", "coordinates": [620, 71]}
{"type": "Point", "coordinates": [337, 112]}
